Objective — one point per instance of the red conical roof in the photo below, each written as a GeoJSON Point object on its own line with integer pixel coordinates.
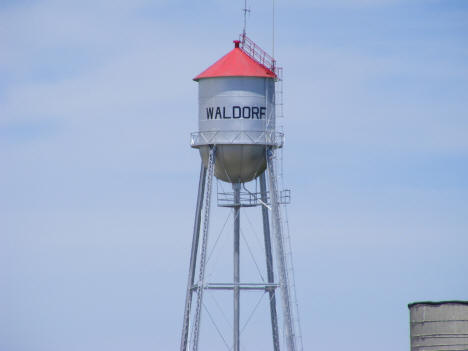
{"type": "Point", "coordinates": [236, 63]}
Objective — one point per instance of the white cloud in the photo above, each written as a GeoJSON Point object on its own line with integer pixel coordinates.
{"type": "Point", "coordinates": [340, 3]}
{"type": "Point", "coordinates": [381, 101]}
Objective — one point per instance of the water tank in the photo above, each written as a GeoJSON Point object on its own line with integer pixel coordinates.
{"type": "Point", "coordinates": [440, 326]}
{"type": "Point", "coordinates": [237, 114]}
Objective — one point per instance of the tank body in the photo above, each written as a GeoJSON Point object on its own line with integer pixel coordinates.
{"type": "Point", "coordinates": [441, 326]}
{"type": "Point", "coordinates": [229, 104]}
{"type": "Point", "coordinates": [238, 115]}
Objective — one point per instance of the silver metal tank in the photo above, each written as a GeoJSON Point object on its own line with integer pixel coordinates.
{"type": "Point", "coordinates": [440, 326]}
{"type": "Point", "coordinates": [237, 114]}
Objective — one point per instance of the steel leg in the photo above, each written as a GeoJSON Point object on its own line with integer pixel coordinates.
{"type": "Point", "coordinates": [280, 254]}
{"type": "Point", "coordinates": [269, 263]}
{"type": "Point", "coordinates": [236, 188]}
{"type": "Point", "coordinates": [193, 259]}
{"type": "Point", "coordinates": [206, 222]}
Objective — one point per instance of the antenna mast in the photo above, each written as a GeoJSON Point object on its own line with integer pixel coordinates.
{"type": "Point", "coordinates": [273, 29]}
{"type": "Point", "coordinates": [245, 10]}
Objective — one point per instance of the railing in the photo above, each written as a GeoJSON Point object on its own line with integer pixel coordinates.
{"type": "Point", "coordinates": [251, 199]}
{"type": "Point", "coordinates": [258, 54]}
{"type": "Point", "coordinates": [268, 138]}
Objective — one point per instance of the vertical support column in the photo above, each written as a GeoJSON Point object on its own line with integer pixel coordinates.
{"type": "Point", "coordinates": [280, 254]}
{"type": "Point", "coordinates": [193, 258]}
{"type": "Point", "coordinates": [269, 263]}
{"type": "Point", "coordinates": [236, 187]}
{"type": "Point", "coordinates": [206, 222]}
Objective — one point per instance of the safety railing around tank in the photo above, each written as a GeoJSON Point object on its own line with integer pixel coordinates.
{"type": "Point", "coordinates": [251, 199]}
{"type": "Point", "coordinates": [268, 138]}
{"type": "Point", "coordinates": [258, 54]}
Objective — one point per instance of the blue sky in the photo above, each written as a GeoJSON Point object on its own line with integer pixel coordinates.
{"type": "Point", "coordinates": [98, 184]}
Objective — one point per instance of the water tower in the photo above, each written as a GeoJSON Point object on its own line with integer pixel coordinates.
{"type": "Point", "coordinates": [238, 143]}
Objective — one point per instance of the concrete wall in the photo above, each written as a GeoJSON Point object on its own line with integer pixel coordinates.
{"type": "Point", "coordinates": [439, 326]}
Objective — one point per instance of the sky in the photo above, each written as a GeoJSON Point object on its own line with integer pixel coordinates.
{"type": "Point", "coordinates": [98, 181]}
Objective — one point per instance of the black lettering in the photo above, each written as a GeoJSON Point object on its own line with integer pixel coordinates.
{"type": "Point", "coordinates": [262, 112]}
{"type": "Point", "coordinates": [209, 113]}
{"type": "Point", "coordinates": [246, 115]}
{"type": "Point", "coordinates": [255, 112]}
{"type": "Point", "coordinates": [224, 113]}
{"type": "Point", "coordinates": [218, 113]}
{"type": "Point", "coordinates": [234, 110]}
